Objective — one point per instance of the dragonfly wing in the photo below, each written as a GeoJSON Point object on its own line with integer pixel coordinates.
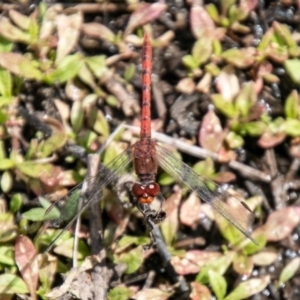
{"type": "Point", "coordinates": [240, 216]}
{"type": "Point", "coordinates": [67, 207]}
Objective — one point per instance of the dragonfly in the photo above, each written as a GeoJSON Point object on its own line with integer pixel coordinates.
{"type": "Point", "coordinates": [147, 156]}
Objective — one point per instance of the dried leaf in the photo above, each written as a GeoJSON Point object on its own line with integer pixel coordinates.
{"type": "Point", "coordinates": [199, 291]}
{"type": "Point", "coordinates": [99, 31]}
{"type": "Point", "coordinates": [265, 257]}
{"type": "Point", "coordinates": [211, 135]}
{"type": "Point", "coordinates": [144, 14]}
{"type": "Point", "coordinates": [47, 269]}
{"type": "Point", "coordinates": [25, 256]}
{"type": "Point", "coordinates": [243, 265]}
{"type": "Point", "coordinates": [68, 30]}
{"type": "Point", "coordinates": [281, 223]}
{"type": "Point", "coordinates": [170, 225]}
{"type": "Point", "coordinates": [152, 294]}
{"type": "Point", "coordinates": [20, 65]}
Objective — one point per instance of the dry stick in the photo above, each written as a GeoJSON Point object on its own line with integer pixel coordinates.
{"type": "Point", "coordinates": [100, 273]}
{"type": "Point", "coordinates": [243, 169]}
{"type": "Point", "coordinates": [166, 257]}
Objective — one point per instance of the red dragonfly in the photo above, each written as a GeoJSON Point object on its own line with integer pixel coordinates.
{"type": "Point", "coordinates": [147, 156]}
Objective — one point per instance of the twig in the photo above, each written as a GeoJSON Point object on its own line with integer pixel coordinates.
{"type": "Point", "coordinates": [129, 105]}
{"type": "Point", "coordinates": [94, 210]}
{"type": "Point", "coordinates": [166, 257]}
{"type": "Point", "coordinates": [243, 169]}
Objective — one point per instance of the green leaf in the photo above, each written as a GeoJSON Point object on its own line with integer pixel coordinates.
{"type": "Point", "coordinates": [165, 179]}
{"type": "Point", "coordinates": [97, 64]}
{"type": "Point", "coordinates": [133, 259]}
{"type": "Point", "coordinates": [292, 127]}
{"type": "Point", "coordinates": [202, 50]}
{"type": "Point", "coordinates": [246, 99]}
{"type": "Point", "coordinates": [101, 124]}
{"type": "Point", "coordinates": [120, 293]}
{"type": "Point", "coordinates": [6, 164]}
{"type": "Point", "coordinates": [5, 83]}
{"type": "Point", "coordinates": [5, 45]}
{"type": "Point", "coordinates": [292, 67]}
{"type": "Point", "coordinates": [77, 115]}
{"type": "Point", "coordinates": [5, 101]}
{"type": "Point", "coordinates": [213, 12]}
{"type": "Point", "coordinates": [225, 5]}
{"type": "Point", "coordinates": [190, 62]}
{"type": "Point", "coordinates": [289, 271]}
{"type": "Point", "coordinates": [252, 248]}
{"type": "Point", "coordinates": [218, 284]}
{"type": "Point", "coordinates": [253, 128]}
{"type": "Point", "coordinates": [238, 58]}
{"type": "Point", "coordinates": [67, 69]}
{"type": "Point", "coordinates": [249, 288]}
{"type": "Point", "coordinates": [53, 143]}
{"type": "Point", "coordinates": [6, 182]}
{"type": "Point", "coordinates": [292, 105]}
{"type": "Point", "coordinates": [129, 72]}
{"type": "Point", "coordinates": [65, 248]}
{"type": "Point", "coordinates": [225, 106]}
{"type": "Point", "coordinates": [7, 255]}
{"type": "Point", "coordinates": [35, 214]}
{"type": "Point", "coordinates": [34, 169]}
{"type": "Point", "coordinates": [234, 140]}
{"type": "Point", "coordinates": [69, 208]}
{"type": "Point", "coordinates": [11, 284]}
{"type": "Point", "coordinates": [219, 265]}
{"type": "Point", "coordinates": [15, 202]}
{"type": "Point", "coordinates": [205, 168]}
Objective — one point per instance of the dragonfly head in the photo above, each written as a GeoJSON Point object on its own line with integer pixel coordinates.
{"type": "Point", "coordinates": [146, 192]}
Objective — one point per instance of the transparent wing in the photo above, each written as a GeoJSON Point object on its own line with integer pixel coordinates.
{"type": "Point", "coordinates": [67, 207]}
{"type": "Point", "coordinates": [240, 216]}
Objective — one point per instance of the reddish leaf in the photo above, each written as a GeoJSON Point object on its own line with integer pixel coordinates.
{"type": "Point", "coordinates": [270, 140]}
{"type": "Point", "coordinates": [193, 261]}
{"type": "Point", "coordinates": [200, 291]}
{"type": "Point", "coordinates": [144, 14]}
{"type": "Point", "coordinates": [281, 223]}
{"type": "Point", "coordinates": [25, 256]}
{"type": "Point", "coordinates": [248, 5]}
{"type": "Point", "coordinates": [224, 177]}
{"type": "Point", "coordinates": [190, 211]}
{"type": "Point", "coordinates": [201, 22]}
{"type": "Point", "coordinates": [211, 134]}
{"type": "Point", "coordinates": [228, 83]}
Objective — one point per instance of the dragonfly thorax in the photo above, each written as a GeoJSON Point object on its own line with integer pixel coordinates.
{"type": "Point", "coordinates": [146, 192]}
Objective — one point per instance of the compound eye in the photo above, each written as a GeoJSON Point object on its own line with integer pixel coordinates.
{"type": "Point", "coordinates": [138, 190]}
{"type": "Point", "coordinates": [152, 189]}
